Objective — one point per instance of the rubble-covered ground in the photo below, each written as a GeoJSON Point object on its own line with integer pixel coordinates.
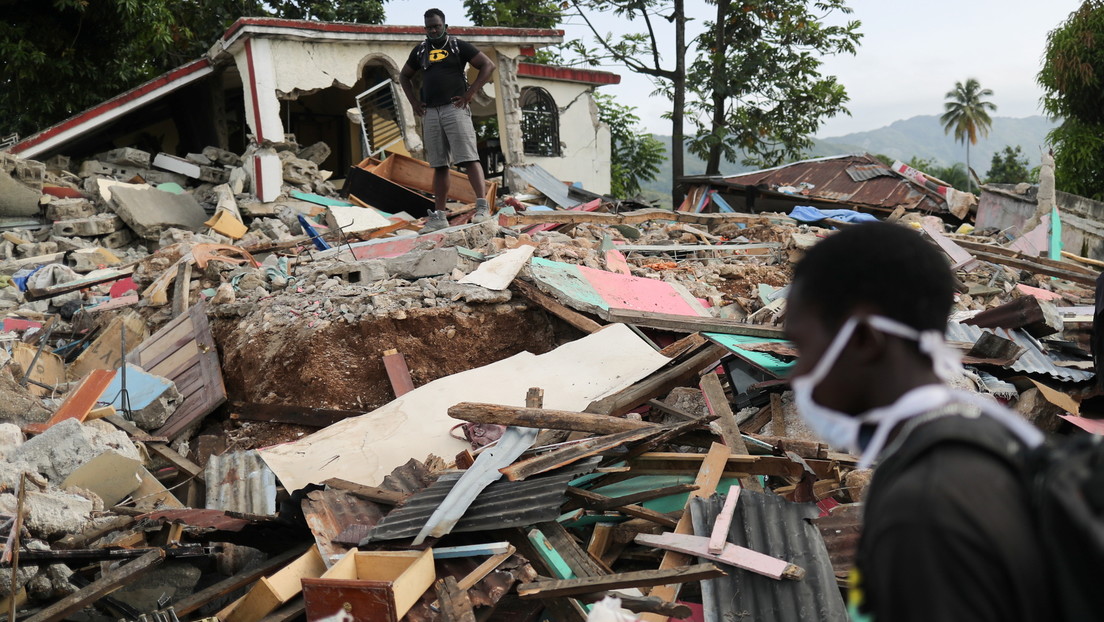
{"type": "Point", "coordinates": [303, 338]}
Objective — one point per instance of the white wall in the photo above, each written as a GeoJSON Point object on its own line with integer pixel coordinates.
{"type": "Point", "coordinates": [584, 140]}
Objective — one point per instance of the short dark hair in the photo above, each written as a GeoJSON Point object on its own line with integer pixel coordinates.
{"type": "Point", "coordinates": [885, 266]}
{"type": "Point", "coordinates": [432, 12]}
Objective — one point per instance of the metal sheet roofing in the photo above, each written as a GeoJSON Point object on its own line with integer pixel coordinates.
{"type": "Point", "coordinates": [546, 183]}
{"type": "Point", "coordinates": [211, 519]}
{"type": "Point", "coordinates": [500, 505]}
{"type": "Point", "coordinates": [833, 178]}
{"type": "Point", "coordinates": [769, 524]}
{"type": "Point", "coordinates": [241, 482]}
{"type": "Point", "coordinates": [1033, 361]}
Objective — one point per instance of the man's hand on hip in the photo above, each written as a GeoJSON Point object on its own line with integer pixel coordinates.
{"type": "Point", "coordinates": [461, 101]}
{"type": "Point", "coordinates": [419, 108]}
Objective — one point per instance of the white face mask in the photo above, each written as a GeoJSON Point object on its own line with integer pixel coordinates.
{"type": "Point", "coordinates": [841, 430]}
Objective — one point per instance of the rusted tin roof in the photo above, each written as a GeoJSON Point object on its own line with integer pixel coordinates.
{"type": "Point", "coordinates": [210, 519]}
{"type": "Point", "coordinates": [841, 530]}
{"type": "Point", "coordinates": [241, 482]}
{"type": "Point", "coordinates": [857, 179]}
{"type": "Point", "coordinates": [769, 524]}
{"type": "Point", "coordinates": [1033, 361]}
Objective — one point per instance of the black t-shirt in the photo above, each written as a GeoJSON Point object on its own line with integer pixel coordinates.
{"type": "Point", "coordinates": [948, 537]}
{"type": "Point", "coordinates": [442, 69]}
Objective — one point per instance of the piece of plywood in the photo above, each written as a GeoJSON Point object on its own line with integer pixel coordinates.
{"type": "Point", "coordinates": [152, 495]}
{"type": "Point", "coordinates": [184, 352]}
{"type": "Point", "coordinates": [48, 369]}
{"type": "Point", "coordinates": [365, 449]}
{"type": "Point", "coordinates": [106, 351]}
{"type": "Point", "coordinates": [594, 291]}
{"type": "Point", "coordinates": [731, 554]}
{"type": "Point", "coordinates": [398, 372]}
{"type": "Point", "coordinates": [112, 476]}
{"type": "Point", "coordinates": [498, 273]}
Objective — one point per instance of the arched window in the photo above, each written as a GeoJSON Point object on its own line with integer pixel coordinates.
{"type": "Point", "coordinates": [540, 122]}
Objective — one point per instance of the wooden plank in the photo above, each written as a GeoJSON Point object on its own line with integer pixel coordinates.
{"type": "Point", "coordinates": [455, 606]}
{"type": "Point", "coordinates": [778, 415]}
{"type": "Point", "coordinates": [668, 463]}
{"type": "Point", "coordinates": [636, 511]}
{"type": "Point", "coordinates": [1015, 254]}
{"type": "Point", "coordinates": [78, 402]}
{"type": "Point", "coordinates": [636, 497]}
{"type": "Point", "coordinates": [686, 344]}
{"type": "Point", "coordinates": [371, 493]}
{"type": "Point", "coordinates": [136, 433]}
{"type": "Point", "coordinates": [691, 324]}
{"type": "Point", "coordinates": [717, 402]}
{"type": "Point", "coordinates": [733, 555]}
{"type": "Point", "coordinates": [659, 383]}
{"type": "Point", "coordinates": [567, 455]}
{"type": "Point", "coordinates": [551, 305]}
{"type": "Point", "coordinates": [182, 288]}
{"type": "Point", "coordinates": [105, 352]}
{"type": "Point", "coordinates": [290, 413]}
{"type": "Point", "coordinates": [962, 260]}
{"type": "Point", "coordinates": [397, 372]}
{"type": "Point", "coordinates": [641, 578]}
{"type": "Point", "coordinates": [109, 582]}
{"type": "Point", "coordinates": [600, 539]}
{"type": "Point", "coordinates": [72, 286]}
{"type": "Point", "coordinates": [1037, 267]}
{"type": "Point", "coordinates": [719, 536]}
{"type": "Point", "coordinates": [544, 418]}
{"type": "Point", "coordinates": [581, 562]}
{"type": "Point", "coordinates": [183, 464]}
{"type": "Point", "coordinates": [709, 475]}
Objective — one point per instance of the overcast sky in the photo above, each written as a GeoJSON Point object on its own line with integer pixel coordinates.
{"type": "Point", "coordinates": [911, 54]}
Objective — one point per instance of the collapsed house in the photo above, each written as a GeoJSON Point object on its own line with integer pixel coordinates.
{"type": "Point", "coordinates": [220, 406]}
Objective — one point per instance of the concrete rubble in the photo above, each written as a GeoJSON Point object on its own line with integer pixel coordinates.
{"type": "Point", "coordinates": [210, 324]}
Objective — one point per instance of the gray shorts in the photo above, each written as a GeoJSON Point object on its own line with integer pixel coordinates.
{"type": "Point", "coordinates": [449, 135]}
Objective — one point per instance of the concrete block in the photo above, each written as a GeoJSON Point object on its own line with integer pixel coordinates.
{"type": "Point", "coordinates": [16, 199]}
{"type": "Point", "coordinates": [223, 157]}
{"type": "Point", "coordinates": [101, 224]}
{"type": "Point", "coordinates": [11, 437]}
{"type": "Point", "coordinates": [421, 264]}
{"type": "Point", "coordinates": [58, 451]}
{"type": "Point", "coordinates": [472, 294]}
{"type": "Point", "coordinates": [51, 513]}
{"type": "Point", "coordinates": [85, 260]}
{"type": "Point", "coordinates": [149, 211]}
{"type": "Point", "coordinates": [69, 209]}
{"type": "Point", "coordinates": [34, 250]}
{"type": "Point", "coordinates": [360, 272]}
{"type": "Point", "coordinates": [91, 168]}
{"type": "Point", "coordinates": [118, 239]}
{"type": "Point", "coordinates": [70, 244]}
{"type": "Point", "coordinates": [188, 168]}
{"type": "Point", "coordinates": [127, 156]}
{"type": "Point", "coordinates": [152, 398]}
{"type": "Point", "coordinates": [317, 153]}
{"type": "Point", "coordinates": [31, 173]}
{"type": "Point", "coordinates": [199, 159]}
{"type": "Point", "coordinates": [58, 164]}
{"type": "Point", "coordinates": [172, 580]}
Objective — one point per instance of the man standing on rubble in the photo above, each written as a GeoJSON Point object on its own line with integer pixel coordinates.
{"type": "Point", "coordinates": [446, 118]}
{"type": "Point", "coordinates": [948, 533]}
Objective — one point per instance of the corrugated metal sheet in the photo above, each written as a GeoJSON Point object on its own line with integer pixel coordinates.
{"type": "Point", "coordinates": [841, 531]}
{"type": "Point", "coordinates": [410, 477]}
{"type": "Point", "coordinates": [546, 183]}
{"type": "Point", "coordinates": [769, 524]}
{"type": "Point", "coordinates": [830, 178]}
{"type": "Point", "coordinates": [329, 513]}
{"type": "Point", "coordinates": [241, 482]}
{"type": "Point", "coordinates": [1032, 361]}
{"type": "Point", "coordinates": [500, 505]}
{"type": "Point", "coordinates": [210, 519]}
{"type": "Point", "coordinates": [863, 172]}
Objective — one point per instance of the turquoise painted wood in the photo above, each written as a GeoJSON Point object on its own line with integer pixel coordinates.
{"type": "Point", "coordinates": [766, 360]}
{"type": "Point", "coordinates": [143, 388]}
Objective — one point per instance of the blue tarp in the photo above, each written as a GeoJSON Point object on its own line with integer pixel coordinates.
{"type": "Point", "coordinates": [806, 213]}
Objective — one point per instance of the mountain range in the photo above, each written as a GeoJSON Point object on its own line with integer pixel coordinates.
{"type": "Point", "coordinates": [920, 137]}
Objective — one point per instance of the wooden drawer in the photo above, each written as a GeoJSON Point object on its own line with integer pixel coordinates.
{"type": "Point", "coordinates": [372, 586]}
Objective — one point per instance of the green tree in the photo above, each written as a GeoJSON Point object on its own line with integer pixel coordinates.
{"type": "Point", "coordinates": [514, 13]}
{"type": "Point", "coordinates": [62, 56]}
{"type": "Point", "coordinates": [1009, 166]}
{"type": "Point", "coordinates": [1072, 78]}
{"type": "Point", "coordinates": [635, 155]}
{"type": "Point", "coordinates": [967, 114]}
{"type": "Point", "coordinates": [640, 53]}
{"type": "Point", "coordinates": [756, 84]}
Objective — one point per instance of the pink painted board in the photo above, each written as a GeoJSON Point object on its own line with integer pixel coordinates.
{"type": "Point", "coordinates": [1092, 426]}
{"type": "Point", "coordinates": [393, 247]}
{"type": "Point", "coordinates": [719, 537]}
{"type": "Point", "coordinates": [637, 293]}
{"type": "Point", "coordinates": [732, 555]}
{"type": "Point", "coordinates": [615, 262]}
{"type": "Point", "coordinates": [1041, 294]}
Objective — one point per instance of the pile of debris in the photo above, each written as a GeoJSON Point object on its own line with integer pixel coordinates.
{"type": "Point", "coordinates": [221, 408]}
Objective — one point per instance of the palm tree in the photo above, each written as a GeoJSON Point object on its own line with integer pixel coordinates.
{"type": "Point", "coordinates": [966, 115]}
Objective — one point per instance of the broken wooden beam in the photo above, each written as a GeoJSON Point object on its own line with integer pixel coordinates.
{"type": "Point", "coordinates": [640, 578]}
{"type": "Point", "coordinates": [107, 583]}
{"type": "Point", "coordinates": [544, 418]}
{"type": "Point", "coordinates": [290, 413]}
{"type": "Point", "coordinates": [453, 602]}
{"type": "Point", "coordinates": [593, 503]}
{"type": "Point", "coordinates": [371, 493]}
{"type": "Point", "coordinates": [567, 455]}
{"type": "Point", "coordinates": [1038, 267]}
{"type": "Point", "coordinates": [717, 403]}
{"type": "Point", "coordinates": [629, 509]}
{"type": "Point", "coordinates": [690, 323]}
{"type": "Point", "coordinates": [551, 305]}
{"type": "Point", "coordinates": [397, 372]}
{"type": "Point", "coordinates": [659, 383]}
{"type": "Point", "coordinates": [635, 217]}
{"type": "Point", "coordinates": [719, 536]}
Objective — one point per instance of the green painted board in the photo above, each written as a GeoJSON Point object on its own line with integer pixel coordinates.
{"type": "Point", "coordinates": [766, 360]}
{"type": "Point", "coordinates": [318, 199]}
{"type": "Point", "coordinates": [568, 280]}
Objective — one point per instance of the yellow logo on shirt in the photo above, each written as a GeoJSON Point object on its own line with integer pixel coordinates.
{"type": "Point", "coordinates": [438, 55]}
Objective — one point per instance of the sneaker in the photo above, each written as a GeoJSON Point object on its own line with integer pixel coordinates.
{"type": "Point", "coordinates": [435, 222]}
{"type": "Point", "coordinates": [482, 211]}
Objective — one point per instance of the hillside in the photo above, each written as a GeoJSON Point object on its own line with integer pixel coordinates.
{"type": "Point", "coordinates": [921, 137]}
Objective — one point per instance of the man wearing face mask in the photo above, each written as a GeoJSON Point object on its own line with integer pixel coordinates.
{"type": "Point", "coordinates": [948, 533]}
{"type": "Point", "coordinates": [443, 105]}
